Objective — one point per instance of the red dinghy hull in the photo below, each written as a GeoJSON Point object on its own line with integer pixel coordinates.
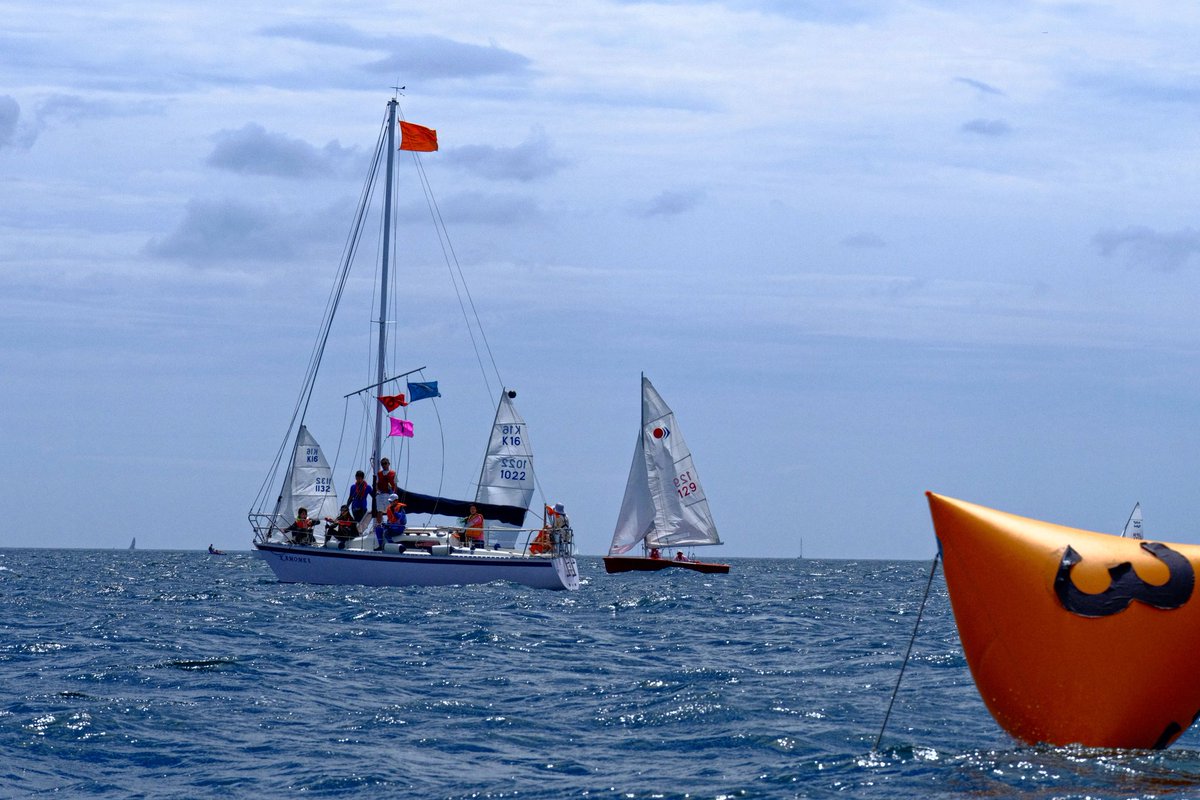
{"type": "Point", "coordinates": [614, 564]}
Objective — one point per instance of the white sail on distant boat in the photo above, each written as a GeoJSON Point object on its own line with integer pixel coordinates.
{"type": "Point", "coordinates": [430, 554]}
{"type": "Point", "coordinates": [1133, 526]}
{"type": "Point", "coordinates": [664, 506]}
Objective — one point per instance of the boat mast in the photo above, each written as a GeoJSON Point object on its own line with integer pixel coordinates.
{"type": "Point", "coordinates": [383, 277]}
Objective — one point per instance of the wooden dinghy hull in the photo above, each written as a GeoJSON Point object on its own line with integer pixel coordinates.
{"type": "Point", "coordinates": [614, 564]}
{"type": "Point", "coordinates": [1072, 636]}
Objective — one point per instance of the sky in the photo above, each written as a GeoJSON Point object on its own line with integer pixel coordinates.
{"type": "Point", "coordinates": [864, 249]}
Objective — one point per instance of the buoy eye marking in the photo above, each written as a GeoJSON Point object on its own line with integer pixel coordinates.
{"type": "Point", "coordinates": [1125, 586]}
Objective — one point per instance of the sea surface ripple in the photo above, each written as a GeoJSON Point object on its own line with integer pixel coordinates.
{"type": "Point", "coordinates": [179, 674]}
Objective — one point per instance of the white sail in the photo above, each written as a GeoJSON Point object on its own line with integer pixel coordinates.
{"type": "Point", "coordinates": [1133, 527]}
{"type": "Point", "coordinates": [308, 483]}
{"type": "Point", "coordinates": [636, 518]}
{"type": "Point", "coordinates": [663, 483]}
{"type": "Point", "coordinates": [507, 475]}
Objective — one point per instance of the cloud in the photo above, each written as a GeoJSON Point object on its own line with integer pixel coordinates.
{"type": "Point", "coordinates": [223, 231]}
{"type": "Point", "coordinates": [414, 57]}
{"type": "Point", "coordinates": [985, 88]}
{"type": "Point", "coordinates": [845, 12]}
{"type": "Point", "coordinates": [10, 115]}
{"type": "Point", "coordinates": [1153, 88]}
{"type": "Point", "coordinates": [670, 203]}
{"type": "Point", "coordinates": [864, 240]}
{"type": "Point", "coordinates": [528, 161]}
{"type": "Point", "coordinates": [256, 151]}
{"type": "Point", "coordinates": [987, 127]}
{"type": "Point", "coordinates": [1166, 252]}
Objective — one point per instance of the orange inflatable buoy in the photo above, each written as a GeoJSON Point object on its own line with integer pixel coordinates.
{"type": "Point", "coordinates": [1073, 637]}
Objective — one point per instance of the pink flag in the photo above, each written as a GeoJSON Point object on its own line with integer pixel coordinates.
{"type": "Point", "coordinates": [400, 427]}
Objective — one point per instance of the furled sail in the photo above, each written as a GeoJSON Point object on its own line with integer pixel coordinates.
{"type": "Point", "coordinates": [507, 475]}
{"type": "Point", "coordinates": [664, 501]}
{"type": "Point", "coordinates": [308, 483]}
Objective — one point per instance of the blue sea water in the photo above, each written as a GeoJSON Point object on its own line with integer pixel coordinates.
{"type": "Point", "coordinates": [179, 674]}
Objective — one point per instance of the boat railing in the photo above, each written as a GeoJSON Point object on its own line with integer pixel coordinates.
{"type": "Point", "coordinates": [545, 541]}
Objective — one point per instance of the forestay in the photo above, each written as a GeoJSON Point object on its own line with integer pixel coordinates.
{"type": "Point", "coordinates": [664, 502]}
{"type": "Point", "coordinates": [308, 483]}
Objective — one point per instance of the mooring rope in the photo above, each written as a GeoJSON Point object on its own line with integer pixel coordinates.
{"type": "Point", "coordinates": [907, 653]}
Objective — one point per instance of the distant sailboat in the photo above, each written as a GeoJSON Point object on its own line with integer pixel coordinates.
{"type": "Point", "coordinates": [133, 544]}
{"type": "Point", "coordinates": [1133, 526]}
{"type": "Point", "coordinates": [664, 504]}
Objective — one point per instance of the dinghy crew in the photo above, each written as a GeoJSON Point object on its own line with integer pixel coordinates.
{"type": "Point", "coordinates": [473, 535]}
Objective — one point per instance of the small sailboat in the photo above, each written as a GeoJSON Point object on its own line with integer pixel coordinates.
{"type": "Point", "coordinates": [460, 541]}
{"type": "Point", "coordinates": [1133, 525]}
{"type": "Point", "coordinates": [133, 543]}
{"type": "Point", "coordinates": [664, 507]}
{"type": "Point", "coordinates": [1072, 636]}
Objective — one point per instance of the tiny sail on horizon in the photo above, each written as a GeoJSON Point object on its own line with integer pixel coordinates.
{"type": "Point", "coordinates": [308, 483]}
{"type": "Point", "coordinates": [1133, 527]}
{"type": "Point", "coordinates": [664, 504]}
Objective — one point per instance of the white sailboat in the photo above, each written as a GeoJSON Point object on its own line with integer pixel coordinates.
{"type": "Point", "coordinates": [437, 552]}
{"type": "Point", "coordinates": [664, 507]}
{"type": "Point", "coordinates": [1133, 526]}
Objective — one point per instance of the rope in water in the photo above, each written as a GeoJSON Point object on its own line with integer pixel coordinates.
{"type": "Point", "coordinates": [907, 653]}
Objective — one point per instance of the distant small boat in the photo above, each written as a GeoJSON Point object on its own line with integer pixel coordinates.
{"type": "Point", "coordinates": [133, 544]}
{"type": "Point", "coordinates": [1072, 636]}
{"type": "Point", "coordinates": [664, 505]}
{"type": "Point", "coordinates": [212, 551]}
{"type": "Point", "coordinates": [1133, 526]}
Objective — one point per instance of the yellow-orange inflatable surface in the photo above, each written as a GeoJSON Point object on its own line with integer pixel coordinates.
{"type": "Point", "coordinates": [1073, 637]}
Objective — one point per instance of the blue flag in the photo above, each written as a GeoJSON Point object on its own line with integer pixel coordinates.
{"type": "Point", "coordinates": [419, 391]}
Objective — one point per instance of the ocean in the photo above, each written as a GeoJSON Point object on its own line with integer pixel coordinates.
{"type": "Point", "coordinates": [130, 674]}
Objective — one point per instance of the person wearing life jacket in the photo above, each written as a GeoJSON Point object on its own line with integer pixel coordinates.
{"type": "Point", "coordinates": [654, 553]}
{"type": "Point", "coordinates": [356, 498]}
{"type": "Point", "coordinates": [541, 543]}
{"type": "Point", "coordinates": [385, 481]}
{"type": "Point", "coordinates": [474, 527]}
{"type": "Point", "coordinates": [397, 519]}
{"type": "Point", "coordinates": [301, 530]}
{"type": "Point", "coordinates": [344, 528]}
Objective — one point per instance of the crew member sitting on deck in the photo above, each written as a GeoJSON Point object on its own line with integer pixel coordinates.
{"type": "Point", "coordinates": [474, 531]}
{"type": "Point", "coordinates": [654, 553]}
{"type": "Point", "coordinates": [301, 530]}
{"type": "Point", "coordinates": [344, 528]}
{"type": "Point", "coordinates": [679, 556]}
{"type": "Point", "coordinates": [396, 522]}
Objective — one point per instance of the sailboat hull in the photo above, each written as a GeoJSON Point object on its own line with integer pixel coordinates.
{"type": "Point", "coordinates": [329, 566]}
{"type": "Point", "coordinates": [615, 564]}
{"type": "Point", "coordinates": [1072, 636]}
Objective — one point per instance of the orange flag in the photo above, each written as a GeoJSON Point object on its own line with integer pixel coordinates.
{"type": "Point", "coordinates": [417, 137]}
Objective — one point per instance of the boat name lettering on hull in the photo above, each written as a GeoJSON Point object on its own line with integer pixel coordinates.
{"type": "Point", "coordinates": [1125, 586]}
{"type": "Point", "coordinates": [301, 559]}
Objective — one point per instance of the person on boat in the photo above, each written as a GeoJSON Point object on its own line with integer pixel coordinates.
{"type": "Point", "coordinates": [212, 551]}
{"type": "Point", "coordinates": [344, 528]}
{"type": "Point", "coordinates": [654, 553]}
{"type": "Point", "coordinates": [301, 529]}
{"type": "Point", "coordinates": [396, 522]}
{"type": "Point", "coordinates": [356, 498]}
{"type": "Point", "coordinates": [679, 556]}
{"type": "Point", "coordinates": [474, 527]}
{"type": "Point", "coordinates": [385, 479]}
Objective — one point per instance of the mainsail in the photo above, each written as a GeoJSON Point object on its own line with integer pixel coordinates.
{"type": "Point", "coordinates": [507, 475]}
{"type": "Point", "coordinates": [308, 483]}
{"type": "Point", "coordinates": [664, 503]}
